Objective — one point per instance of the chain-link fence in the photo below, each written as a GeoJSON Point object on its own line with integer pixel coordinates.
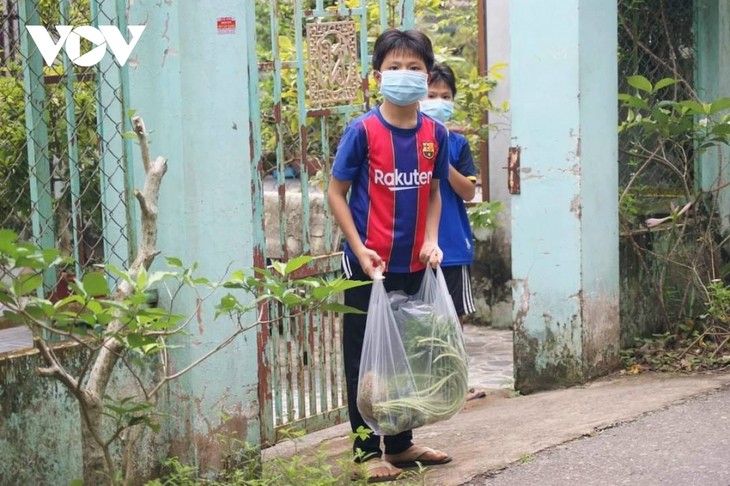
{"type": "Point", "coordinates": [656, 40]}
{"type": "Point", "coordinates": [674, 243]}
{"type": "Point", "coordinates": [64, 181]}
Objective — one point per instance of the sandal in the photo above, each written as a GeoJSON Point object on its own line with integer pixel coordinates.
{"type": "Point", "coordinates": [413, 456]}
{"type": "Point", "coordinates": [372, 467]}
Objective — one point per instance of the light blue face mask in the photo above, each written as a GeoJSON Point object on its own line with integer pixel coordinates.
{"type": "Point", "coordinates": [403, 87]}
{"type": "Point", "coordinates": [438, 108]}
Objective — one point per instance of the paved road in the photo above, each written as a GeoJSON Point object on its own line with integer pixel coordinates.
{"type": "Point", "coordinates": [684, 444]}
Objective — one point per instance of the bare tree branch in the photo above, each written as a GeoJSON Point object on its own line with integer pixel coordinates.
{"type": "Point", "coordinates": [141, 131]}
{"type": "Point", "coordinates": [54, 369]}
{"type": "Point", "coordinates": [136, 376]}
{"type": "Point", "coordinates": [637, 173]}
{"type": "Point", "coordinates": [672, 52]}
{"type": "Point", "coordinates": [154, 172]}
{"type": "Point", "coordinates": [204, 357]}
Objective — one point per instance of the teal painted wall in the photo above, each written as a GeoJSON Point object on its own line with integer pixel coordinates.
{"type": "Point", "coordinates": [712, 79]}
{"type": "Point", "coordinates": [599, 186]}
{"type": "Point", "coordinates": [564, 234]}
{"type": "Point", "coordinates": [190, 84]}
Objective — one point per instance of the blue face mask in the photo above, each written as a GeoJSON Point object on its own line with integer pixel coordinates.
{"type": "Point", "coordinates": [403, 87]}
{"type": "Point", "coordinates": [438, 108]}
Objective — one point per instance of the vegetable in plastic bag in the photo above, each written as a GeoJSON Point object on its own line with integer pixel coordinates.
{"type": "Point", "coordinates": [413, 367]}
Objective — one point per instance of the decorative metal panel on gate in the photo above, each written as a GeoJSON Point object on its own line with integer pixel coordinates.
{"type": "Point", "coordinates": [333, 75]}
{"type": "Point", "coordinates": [303, 92]}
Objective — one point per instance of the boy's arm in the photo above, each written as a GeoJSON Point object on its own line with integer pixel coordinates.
{"type": "Point", "coordinates": [462, 174]}
{"type": "Point", "coordinates": [368, 259]}
{"type": "Point", "coordinates": [430, 251]}
{"type": "Point", "coordinates": [463, 186]}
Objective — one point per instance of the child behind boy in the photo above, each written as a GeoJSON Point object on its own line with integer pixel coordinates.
{"type": "Point", "coordinates": [455, 236]}
{"type": "Point", "coordinates": [391, 159]}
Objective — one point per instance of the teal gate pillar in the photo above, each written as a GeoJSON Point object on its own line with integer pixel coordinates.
{"type": "Point", "coordinates": [565, 217]}
{"type": "Point", "coordinates": [712, 79]}
{"type": "Point", "coordinates": [189, 81]}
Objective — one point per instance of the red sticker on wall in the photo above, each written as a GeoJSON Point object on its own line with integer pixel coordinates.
{"type": "Point", "coordinates": [226, 25]}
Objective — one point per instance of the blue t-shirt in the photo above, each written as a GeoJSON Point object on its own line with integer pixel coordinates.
{"type": "Point", "coordinates": [455, 236]}
{"type": "Point", "coordinates": [391, 170]}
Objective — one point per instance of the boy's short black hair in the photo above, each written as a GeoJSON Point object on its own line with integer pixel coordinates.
{"type": "Point", "coordinates": [441, 73]}
{"type": "Point", "coordinates": [393, 40]}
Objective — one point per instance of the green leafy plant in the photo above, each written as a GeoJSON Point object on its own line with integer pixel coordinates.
{"type": "Point", "coordinates": [682, 250]}
{"type": "Point", "coordinates": [718, 308]}
{"type": "Point", "coordinates": [526, 458]}
{"type": "Point", "coordinates": [306, 469]}
{"type": "Point", "coordinates": [438, 397]}
{"type": "Point", "coordinates": [483, 217]}
{"type": "Point", "coordinates": [147, 333]}
{"type": "Point", "coordinates": [283, 127]}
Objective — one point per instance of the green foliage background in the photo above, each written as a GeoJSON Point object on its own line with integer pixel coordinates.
{"type": "Point", "coordinates": [15, 203]}
{"type": "Point", "coordinates": [452, 33]}
{"type": "Point", "coordinates": [450, 25]}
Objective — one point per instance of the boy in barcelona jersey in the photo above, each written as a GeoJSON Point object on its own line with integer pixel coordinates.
{"type": "Point", "coordinates": [390, 160]}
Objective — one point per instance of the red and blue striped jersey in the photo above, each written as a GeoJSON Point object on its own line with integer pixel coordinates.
{"type": "Point", "coordinates": [391, 170]}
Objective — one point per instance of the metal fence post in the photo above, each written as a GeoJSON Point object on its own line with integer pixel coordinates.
{"type": "Point", "coordinates": [112, 162]}
{"type": "Point", "coordinates": [37, 134]}
{"type": "Point", "coordinates": [128, 144]}
{"type": "Point", "coordinates": [73, 149]}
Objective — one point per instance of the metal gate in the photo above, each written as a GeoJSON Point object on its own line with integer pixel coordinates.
{"type": "Point", "coordinates": [309, 77]}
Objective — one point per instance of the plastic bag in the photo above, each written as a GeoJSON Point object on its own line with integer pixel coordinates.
{"type": "Point", "coordinates": [413, 367]}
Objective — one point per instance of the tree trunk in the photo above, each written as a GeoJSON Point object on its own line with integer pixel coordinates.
{"type": "Point", "coordinates": [96, 466]}
{"type": "Point", "coordinates": [99, 467]}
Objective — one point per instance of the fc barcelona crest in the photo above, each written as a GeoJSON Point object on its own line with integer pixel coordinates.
{"type": "Point", "coordinates": [428, 150]}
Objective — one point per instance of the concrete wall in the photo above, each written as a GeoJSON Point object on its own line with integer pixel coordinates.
{"type": "Point", "coordinates": [643, 311]}
{"type": "Point", "coordinates": [294, 220]}
{"type": "Point", "coordinates": [491, 279]}
{"type": "Point", "coordinates": [659, 286]}
{"type": "Point", "coordinates": [639, 301]}
{"type": "Point", "coordinates": [38, 419]}
{"type": "Point", "coordinates": [40, 431]}
{"type": "Point", "coordinates": [596, 206]}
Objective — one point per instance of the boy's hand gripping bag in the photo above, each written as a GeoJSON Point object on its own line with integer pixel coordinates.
{"type": "Point", "coordinates": [413, 367]}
